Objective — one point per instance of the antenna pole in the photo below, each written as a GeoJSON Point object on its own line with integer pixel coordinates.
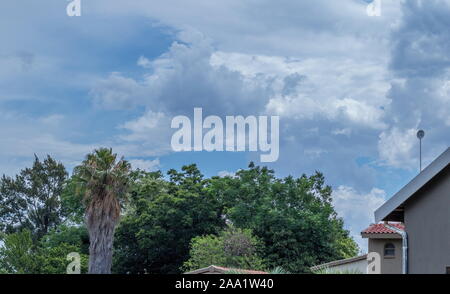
{"type": "Point", "coordinates": [420, 154]}
{"type": "Point", "coordinates": [420, 135]}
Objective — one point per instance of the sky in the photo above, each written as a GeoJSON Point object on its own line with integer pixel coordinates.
{"type": "Point", "coordinates": [351, 89]}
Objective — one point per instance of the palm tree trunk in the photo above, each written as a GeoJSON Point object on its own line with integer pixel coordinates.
{"type": "Point", "coordinates": [101, 248]}
{"type": "Point", "coordinates": [101, 224]}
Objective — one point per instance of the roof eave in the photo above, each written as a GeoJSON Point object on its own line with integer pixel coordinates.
{"type": "Point", "coordinates": [380, 236]}
{"type": "Point", "coordinates": [412, 187]}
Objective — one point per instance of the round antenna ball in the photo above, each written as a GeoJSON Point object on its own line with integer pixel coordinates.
{"type": "Point", "coordinates": [420, 134]}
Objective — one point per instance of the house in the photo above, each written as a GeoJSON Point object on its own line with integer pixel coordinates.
{"type": "Point", "coordinates": [386, 240]}
{"type": "Point", "coordinates": [412, 230]}
{"type": "Point", "coordinates": [213, 269]}
{"type": "Point", "coordinates": [423, 206]}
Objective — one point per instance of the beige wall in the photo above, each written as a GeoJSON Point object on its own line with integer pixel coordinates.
{"type": "Point", "coordinates": [388, 265]}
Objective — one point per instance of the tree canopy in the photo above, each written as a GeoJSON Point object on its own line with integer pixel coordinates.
{"type": "Point", "coordinates": [169, 223]}
{"type": "Point", "coordinates": [32, 200]}
{"type": "Point", "coordinates": [163, 217]}
{"type": "Point", "coordinates": [293, 217]}
{"type": "Point", "coordinates": [233, 248]}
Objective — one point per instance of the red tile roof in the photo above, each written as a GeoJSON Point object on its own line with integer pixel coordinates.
{"type": "Point", "coordinates": [382, 229]}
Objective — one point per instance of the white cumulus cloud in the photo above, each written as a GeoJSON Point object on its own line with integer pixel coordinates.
{"type": "Point", "coordinates": [357, 209]}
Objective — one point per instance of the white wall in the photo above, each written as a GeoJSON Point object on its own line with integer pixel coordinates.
{"type": "Point", "coordinates": [360, 266]}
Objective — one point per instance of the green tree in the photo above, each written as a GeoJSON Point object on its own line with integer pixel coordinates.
{"type": "Point", "coordinates": [232, 248]}
{"type": "Point", "coordinates": [76, 236]}
{"type": "Point", "coordinates": [16, 253]}
{"type": "Point", "coordinates": [72, 201]}
{"type": "Point", "coordinates": [294, 217]}
{"type": "Point", "coordinates": [104, 181]}
{"type": "Point", "coordinates": [51, 257]}
{"type": "Point", "coordinates": [20, 255]}
{"type": "Point", "coordinates": [162, 218]}
{"type": "Point", "coordinates": [31, 200]}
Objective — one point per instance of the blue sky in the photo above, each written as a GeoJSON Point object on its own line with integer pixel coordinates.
{"type": "Point", "coordinates": [351, 90]}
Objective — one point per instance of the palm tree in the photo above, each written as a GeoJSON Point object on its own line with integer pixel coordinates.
{"type": "Point", "coordinates": [104, 181]}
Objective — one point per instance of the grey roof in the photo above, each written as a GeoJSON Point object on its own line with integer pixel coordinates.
{"type": "Point", "coordinates": [214, 269]}
{"type": "Point", "coordinates": [412, 187]}
{"type": "Point", "coordinates": [338, 262]}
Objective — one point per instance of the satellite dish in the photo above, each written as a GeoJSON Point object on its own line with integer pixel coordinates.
{"type": "Point", "coordinates": [420, 134]}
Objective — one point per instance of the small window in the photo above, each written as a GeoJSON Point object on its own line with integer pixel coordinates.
{"type": "Point", "coordinates": [389, 250]}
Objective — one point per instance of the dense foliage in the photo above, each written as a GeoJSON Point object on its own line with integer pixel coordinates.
{"type": "Point", "coordinates": [173, 223]}
{"type": "Point", "coordinates": [20, 255]}
{"type": "Point", "coordinates": [232, 248]}
{"type": "Point", "coordinates": [294, 217]}
{"type": "Point", "coordinates": [162, 218]}
{"type": "Point", "coordinates": [32, 200]}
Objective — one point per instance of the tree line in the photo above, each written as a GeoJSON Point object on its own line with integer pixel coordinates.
{"type": "Point", "coordinates": [126, 221]}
